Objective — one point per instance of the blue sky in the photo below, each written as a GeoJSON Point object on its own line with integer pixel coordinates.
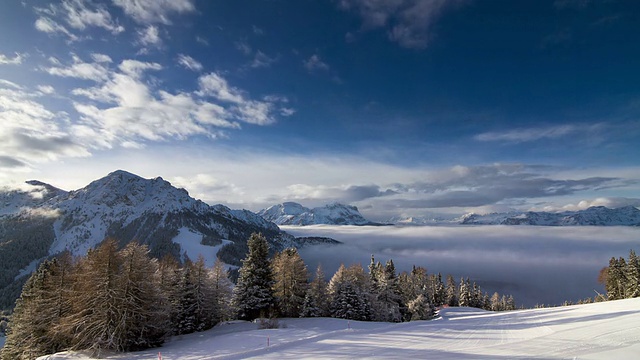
{"type": "Point", "coordinates": [401, 107]}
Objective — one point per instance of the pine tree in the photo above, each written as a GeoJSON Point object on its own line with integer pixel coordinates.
{"type": "Point", "coordinates": [290, 282]}
{"type": "Point", "coordinates": [203, 296]}
{"type": "Point", "coordinates": [316, 302]}
{"type": "Point", "coordinates": [253, 295]}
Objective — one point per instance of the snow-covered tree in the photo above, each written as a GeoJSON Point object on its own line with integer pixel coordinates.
{"type": "Point", "coordinates": [633, 275]}
{"type": "Point", "coordinates": [348, 290]}
{"type": "Point", "coordinates": [253, 295]}
{"type": "Point", "coordinates": [451, 292]}
{"type": "Point", "coordinates": [465, 293]}
{"type": "Point", "coordinates": [387, 303]}
{"type": "Point", "coordinates": [290, 282]}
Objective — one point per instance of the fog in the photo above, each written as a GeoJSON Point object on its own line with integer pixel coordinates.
{"type": "Point", "coordinates": [536, 264]}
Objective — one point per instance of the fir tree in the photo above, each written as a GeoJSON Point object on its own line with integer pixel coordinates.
{"type": "Point", "coordinates": [253, 295]}
{"type": "Point", "coordinates": [465, 293]}
{"type": "Point", "coordinates": [316, 302]}
{"type": "Point", "coordinates": [348, 290]}
{"type": "Point", "coordinates": [451, 292]}
{"type": "Point", "coordinates": [633, 275]}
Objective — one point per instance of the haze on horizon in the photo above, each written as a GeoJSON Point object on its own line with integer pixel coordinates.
{"type": "Point", "coordinates": [403, 108]}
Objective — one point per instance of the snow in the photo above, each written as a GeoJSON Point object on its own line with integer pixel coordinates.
{"type": "Point", "coordinates": [190, 243]}
{"type": "Point", "coordinates": [609, 330]}
{"type": "Point", "coordinates": [290, 213]}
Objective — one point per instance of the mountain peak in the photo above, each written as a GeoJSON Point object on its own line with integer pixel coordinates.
{"type": "Point", "coordinates": [291, 213]}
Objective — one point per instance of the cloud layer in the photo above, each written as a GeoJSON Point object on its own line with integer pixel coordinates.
{"type": "Point", "coordinates": [544, 265]}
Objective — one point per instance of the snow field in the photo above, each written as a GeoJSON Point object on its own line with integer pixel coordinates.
{"type": "Point", "coordinates": [609, 330]}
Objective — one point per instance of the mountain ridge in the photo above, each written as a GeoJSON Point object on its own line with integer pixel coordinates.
{"type": "Point", "coordinates": [39, 221]}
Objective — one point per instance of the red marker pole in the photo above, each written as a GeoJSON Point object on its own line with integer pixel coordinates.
{"type": "Point", "coordinates": [159, 356]}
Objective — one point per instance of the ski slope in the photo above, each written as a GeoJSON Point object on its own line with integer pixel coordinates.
{"type": "Point", "coordinates": [609, 330]}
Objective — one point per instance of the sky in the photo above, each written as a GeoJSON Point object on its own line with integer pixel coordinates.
{"type": "Point", "coordinates": [429, 108]}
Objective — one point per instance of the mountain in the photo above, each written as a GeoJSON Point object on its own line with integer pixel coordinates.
{"type": "Point", "coordinates": [39, 221]}
{"type": "Point", "coordinates": [594, 216]}
{"type": "Point", "coordinates": [290, 213]}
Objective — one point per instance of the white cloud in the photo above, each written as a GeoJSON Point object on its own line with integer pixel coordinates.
{"type": "Point", "coordinates": [101, 58]}
{"type": "Point", "coordinates": [135, 68]}
{"type": "Point", "coordinates": [213, 84]}
{"type": "Point", "coordinates": [29, 133]}
{"type": "Point", "coordinates": [46, 89]}
{"type": "Point", "coordinates": [150, 36]}
{"type": "Point", "coordinates": [16, 60]}
{"type": "Point", "coordinates": [79, 15]}
{"type": "Point", "coordinates": [50, 26]}
{"type": "Point", "coordinates": [539, 133]}
{"type": "Point", "coordinates": [81, 70]}
{"type": "Point", "coordinates": [154, 11]}
{"type": "Point", "coordinates": [409, 22]}
{"type": "Point", "coordinates": [315, 63]}
{"type": "Point", "coordinates": [189, 62]}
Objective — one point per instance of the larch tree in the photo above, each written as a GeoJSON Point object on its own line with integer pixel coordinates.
{"type": "Point", "coordinates": [290, 282]}
{"type": "Point", "coordinates": [32, 331]}
{"type": "Point", "coordinates": [143, 319]}
{"type": "Point", "coordinates": [253, 294]}
{"type": "Point", "coordinates": [222, 289]}
{"type": "Point", "coordinates": [94, 320]}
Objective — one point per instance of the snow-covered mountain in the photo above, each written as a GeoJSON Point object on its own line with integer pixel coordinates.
{"type": "Point", "coordinates": [291, 213]}
{"type": "Point", "coordinates": [594, 216]}
{"type": "Point", "coordinates": [40, 220]}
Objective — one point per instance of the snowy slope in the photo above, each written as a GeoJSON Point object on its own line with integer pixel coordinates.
{"type": "Point", "coordinates": [290, 213]}
{"type": "Point", "coordinates": [594, 216]}
{"type": "Point", "coordinates": [609, 330]}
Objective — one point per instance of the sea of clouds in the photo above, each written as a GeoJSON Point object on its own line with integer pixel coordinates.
{"type": "Point", "coordinates": [536, 264]}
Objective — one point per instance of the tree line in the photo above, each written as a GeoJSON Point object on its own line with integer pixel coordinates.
{"type": "Point", "coordinates": [123, 299]}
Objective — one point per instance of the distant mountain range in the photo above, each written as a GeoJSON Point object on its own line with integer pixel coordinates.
{"type": "Point", "coordinates": [593, 216]}
{"type": "Point", "coordinates": [40, 220]}
{"type": "Point", "coordinates": [291, 213]}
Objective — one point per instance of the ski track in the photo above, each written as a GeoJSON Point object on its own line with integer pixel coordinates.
{"type": "Point", "coordinates": [609, 330]}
